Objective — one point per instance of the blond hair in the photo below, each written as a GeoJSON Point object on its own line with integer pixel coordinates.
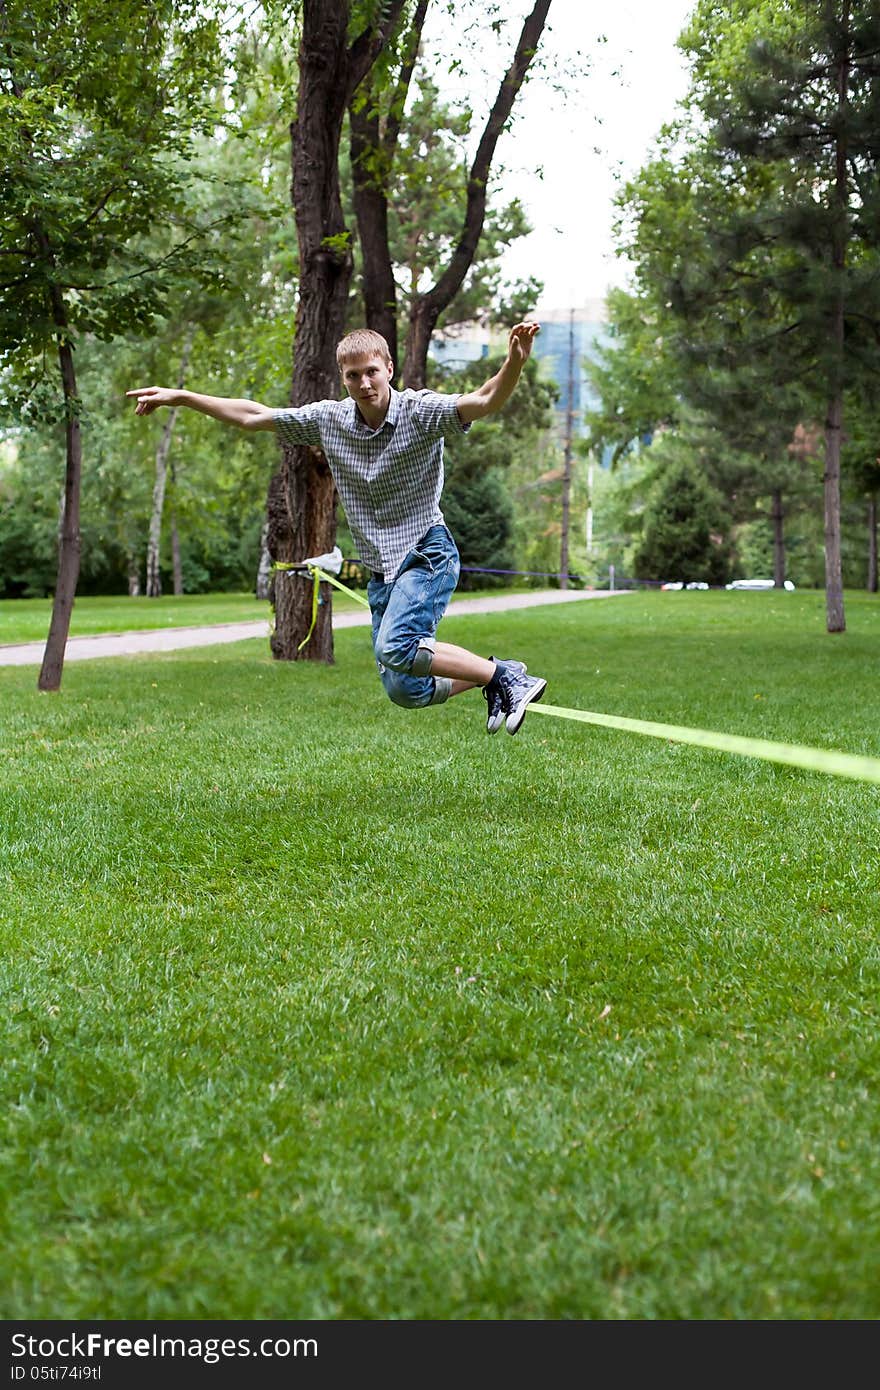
{"type": "Point", "coordinates": [363, 342]}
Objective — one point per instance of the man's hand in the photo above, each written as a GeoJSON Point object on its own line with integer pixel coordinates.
{"type": "Point", "coordinates": [519, 345]}
{"type": "Point", "coordinates": [149, 398]}
{"type": "Point", "coordinates": [246, 415]}
{"type": "Point", "coordinates": [492, 395]}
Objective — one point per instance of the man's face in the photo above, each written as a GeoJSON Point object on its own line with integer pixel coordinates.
{"type": "Point", "coordinates": [368, 381]}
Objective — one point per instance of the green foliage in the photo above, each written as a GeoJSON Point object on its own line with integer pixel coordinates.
{"type": "Point", "coordinates": [482, 471]}
{"type": "Point", "coordinates": [427, 186]}
{"type": "Point", "coordinates": [684, 529]}
{"type": "Point", "coordinates": [479, 512]}
{"type": "Point", "coordinates": [234, 311]}
{"type": "Point", "coordinates": [633, 375]}
{"type": "Point", "coordinates": [100, 102]}
{"type": "Point", "coordinates": [751, 243]}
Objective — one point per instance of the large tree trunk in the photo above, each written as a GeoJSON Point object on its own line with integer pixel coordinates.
{"type": "Point", "coordinates": [427, 308]}
{"type": "Point", "coordinates": [300, 509]}
{"type": "Point", "coordinates": [154, 582]}
{"type": "Point", "coordinates": [373, 147]}
{"type": "Point", "coordinates": [69, 538]}
{"type": "Point", "coordinates": [872, 543]}
{"type": "Point", "coordinates": [778, 515]}
{"type": "Point", "coordinates": [371, 210]}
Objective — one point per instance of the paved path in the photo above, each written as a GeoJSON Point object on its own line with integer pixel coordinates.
{"type": "Point", "coordinates": [171, 638]}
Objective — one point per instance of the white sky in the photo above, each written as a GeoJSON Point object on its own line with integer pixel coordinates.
{"type": "Point", "coordinates": [605, 125]}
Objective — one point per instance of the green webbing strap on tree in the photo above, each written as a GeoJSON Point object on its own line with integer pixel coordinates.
{"type": "Point", "coordinates": [345, 589]}
{"type": "Point", "coordinates": [315, 596]}
{"type": "Point", "coordinates": [862, 769]}
{"type": "Point", "coordinates": [317, 575]}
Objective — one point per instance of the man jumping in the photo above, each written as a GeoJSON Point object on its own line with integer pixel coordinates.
{"type": "Point", "coordinates": [385, 450]}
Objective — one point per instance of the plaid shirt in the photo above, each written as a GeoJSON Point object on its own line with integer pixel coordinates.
{"type": "Point", "coordinates": [389, 479]}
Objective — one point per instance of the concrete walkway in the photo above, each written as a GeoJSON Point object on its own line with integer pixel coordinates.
{"type": "Point", "coordinates": [172, 638]}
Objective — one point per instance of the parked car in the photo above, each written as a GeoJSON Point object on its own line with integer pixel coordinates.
{"type": "Point", "coordinates": [679, 584]}
{"type": "Point", "coordinates": [757, 584]}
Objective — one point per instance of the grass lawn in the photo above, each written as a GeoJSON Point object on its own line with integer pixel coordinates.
{"type": "Point", "coordinates": [319, 1008]}
{"type": "Point", "coordinates": [27, 620]}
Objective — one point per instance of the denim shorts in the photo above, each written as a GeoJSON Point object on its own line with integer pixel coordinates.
{"type": "Point", "coordinates": [405, 617]}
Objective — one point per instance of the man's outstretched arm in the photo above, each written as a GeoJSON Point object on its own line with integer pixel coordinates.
{"type": "Point", "coordinates": [493, 394]}
{"type": "Point", "coordinates": [247, 415]}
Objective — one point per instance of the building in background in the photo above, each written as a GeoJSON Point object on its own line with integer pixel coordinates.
{"type": "Point", "coordinates": [567, 338]}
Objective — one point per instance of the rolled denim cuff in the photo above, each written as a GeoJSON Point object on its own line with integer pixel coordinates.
{"type": "Point", "coordinates": [442, 690]}
{"type": "Point", "coordinates": [424, 657]}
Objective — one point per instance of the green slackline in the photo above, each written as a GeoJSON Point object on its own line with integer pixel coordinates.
{"type": "Point", "coordinates": [833, 764]}
{"type": "Point", "coordinates": [862, 769]}
{"type": "Point", "coordinates": [344, 587]}
{"type": "Point", "coordinates": [317, 575]}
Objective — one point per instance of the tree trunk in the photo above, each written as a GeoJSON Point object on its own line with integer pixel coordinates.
{"type": "Point", "coordinates": [778, 515]}
{"type": "Point", "coordinates": [567, 450]}
{"type": "Point", "coordinates": [154, 582]}
{"type": "Point", "coordinates": [134, 579]}
{"type": "Point", "coordinates": [427, 308]}
{"type": "Point", "coordinates": [69, 538]}
{"type": "Point", "coordinates": [371, 211]}
{"type": "Point", "coordinates": [834, 615]}
{"type": "Point", "coordinates": [262, 586]}
{"type": "Point", "coordinates": [300, 508]}
{"type": "Point", "coordinates": [372, 160]}
{"type": "Point", "coordinates": [176, 566]}
{"type": "Point", "coordinates": [872, 543]}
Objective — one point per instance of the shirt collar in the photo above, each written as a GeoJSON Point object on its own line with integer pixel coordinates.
{"type": "Point", "coordinates": [359, 424]}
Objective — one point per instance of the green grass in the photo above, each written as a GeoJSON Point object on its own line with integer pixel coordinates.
{"type": "Point", "coordinates": [319, 1008]}
{"type": "Point", "coordinates": [27, 620]}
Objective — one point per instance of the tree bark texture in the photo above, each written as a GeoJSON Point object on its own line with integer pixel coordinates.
{"type": "Point", "coordinates": [263, 581]}
{"type": "Point", "coordinates": [371, 211]}
{"type": "Point", "coordinates": [373, 147]}
{"type": "Point", "coordinates": [427, 308]}
{"type": "Point", "coordinates": [300, 509]}
{"type": "Point", "coordinates": [69, 537]}
{"type": "Point", "coordinates": [176, 565]}
{"type": "Point", "coordinates": [154, 582]}
{"type": "Point", "coordinates": [834, 614]}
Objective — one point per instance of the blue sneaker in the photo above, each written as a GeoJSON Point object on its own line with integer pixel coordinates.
{"type": "Point", "coordinates": [494, 699]}
{"type": "Point", "coordinates": [518, 691]}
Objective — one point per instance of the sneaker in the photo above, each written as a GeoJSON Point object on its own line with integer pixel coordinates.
{"type": "Point", "coordinates": [518, 691]}
{"type": "Point", "coordinates": [492, 695]}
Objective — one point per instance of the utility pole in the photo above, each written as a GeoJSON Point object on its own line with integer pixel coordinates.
{"type": "Point", "coordinates": [590, 507]}
{"type": "Point", "coordinates": [566, 471]}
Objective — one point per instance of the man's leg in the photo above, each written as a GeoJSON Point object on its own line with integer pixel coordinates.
{"type": "Point", "coordinates": [464, 668]}
{"type": "Point", "coordinates": [507, 689]}
{"type": "Point", "coordinates": [416, 669]}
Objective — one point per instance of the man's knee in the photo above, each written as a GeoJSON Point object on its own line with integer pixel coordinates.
{"type": "Point", "coordinates": [412, 692]}
{"type": "Point", "coordinates": [410, 655]}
